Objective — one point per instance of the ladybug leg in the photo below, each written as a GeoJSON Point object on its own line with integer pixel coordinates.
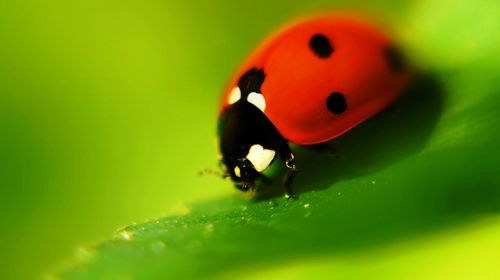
{"type": "Point", "coordinates": [288, 158]}
{"type": "Point", "coordinates": [289, 176]}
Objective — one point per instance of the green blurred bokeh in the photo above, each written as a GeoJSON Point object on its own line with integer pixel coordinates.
{"type": "Point", "coordinates": [107, 108]}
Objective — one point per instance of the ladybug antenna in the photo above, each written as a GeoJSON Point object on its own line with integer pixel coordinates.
{"type": "Point", "coordinates": [210, 171]}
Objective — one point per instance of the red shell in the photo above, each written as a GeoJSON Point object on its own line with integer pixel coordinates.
{"type": "Point", "coordinates": [298, 82]}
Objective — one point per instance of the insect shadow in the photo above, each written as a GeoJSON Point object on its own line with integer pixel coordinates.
{"type": "Point", "coordinates": [398, 132]}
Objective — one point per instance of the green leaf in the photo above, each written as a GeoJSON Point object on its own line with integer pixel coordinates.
{"type": "Point", "coordinates": [405, 194]}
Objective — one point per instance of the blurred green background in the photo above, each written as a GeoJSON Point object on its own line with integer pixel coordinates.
{"type": "Point", "coordinates": [107, 108]}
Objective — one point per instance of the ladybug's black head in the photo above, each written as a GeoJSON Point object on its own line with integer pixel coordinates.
{"type": "Point", "coordinates": [248, 142]}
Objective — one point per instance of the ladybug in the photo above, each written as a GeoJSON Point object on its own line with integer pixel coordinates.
{"type": "Point", "coordinates": [308, 84]}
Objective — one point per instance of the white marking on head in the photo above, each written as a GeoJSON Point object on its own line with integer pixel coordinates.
{"type": "Point", "coordinates": [260, 157]}
{"type": "Point", "coordinates": [235, 95]}
{"type": "Point", "coordinates": [237, 171]}
{"type": "Point", "coordinates": [258, 100]}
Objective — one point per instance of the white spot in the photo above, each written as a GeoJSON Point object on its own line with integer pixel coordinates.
{"type": "Point", "coordinates": [235, 95]}
{"type": "Point", "coordinates": [258, 100]}
{"type": "Point", "coordinates": [260, 157]}
{"type": "Point", "coordinates": [237, 171]}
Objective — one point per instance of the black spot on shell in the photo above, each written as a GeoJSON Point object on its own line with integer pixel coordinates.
{"type": "Point", "coordinates": [395, 59]}
{"type": "Point", "coordinates": [321, 46]}
{"type": "Point", "coordinates": [251, 81]}
{"type": "Point", "coordinates": [336, 103]}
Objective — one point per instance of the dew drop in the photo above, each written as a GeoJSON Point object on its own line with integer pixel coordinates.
{"type": "Point", "coordinates": [125, 235]}
{"type": "Point", "coordinates": [209, 228]}
{"type": "Point", "coordinates": [157, 246]}
{"type": "Point", "coordinates": [271, 203]}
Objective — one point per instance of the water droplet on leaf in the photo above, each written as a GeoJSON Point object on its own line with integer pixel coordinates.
{"type": "Point", "coordinates": [209, 228]}
{"type": "Point", "coordinates": [158, 246]}
{"type": "Point", "coordinates": [125, 235]}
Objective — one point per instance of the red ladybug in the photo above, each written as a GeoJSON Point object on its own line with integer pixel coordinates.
{"type": "Point", "coordinates": [307, 84]}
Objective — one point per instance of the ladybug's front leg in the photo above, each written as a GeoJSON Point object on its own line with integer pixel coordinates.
{"type": "Point", "coordinates": [288, 158]}
{"type": "Point", "coordinates": [290, 174]}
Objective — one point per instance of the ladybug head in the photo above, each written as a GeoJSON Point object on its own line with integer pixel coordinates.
{"type": "Point", "coordinates": [248, 143]}
{"type": "Point", "coordinates": [244, 174]}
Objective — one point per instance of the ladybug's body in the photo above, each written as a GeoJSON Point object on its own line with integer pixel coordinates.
{"type": "Point", "coordinates": [306, 85]}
